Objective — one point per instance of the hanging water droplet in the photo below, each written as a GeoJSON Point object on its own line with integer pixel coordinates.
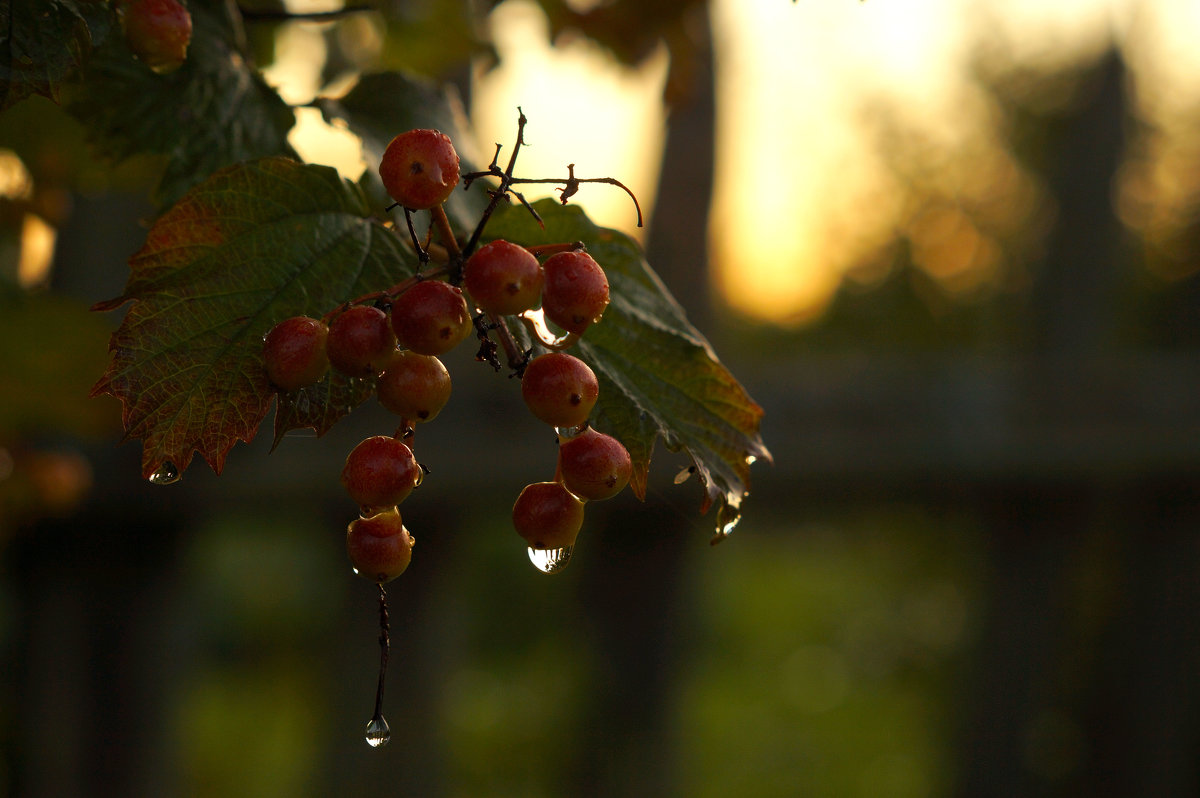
{"type": "Point", "coordinates": [684, 475]}
{"type": "Point", "coordinates": [728, 517]}
{"type": "Point", "coordinates": [166, 474]}
{"type": "Point", "coordinates": [422, 472]}
{"type": "Point", "coordinates": [550, 561]}
{"type": "Point", "coordinates": [378, 732]}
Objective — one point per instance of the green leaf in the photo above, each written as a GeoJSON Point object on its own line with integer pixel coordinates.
{"type": "Point", "coordinates": [252, 245]}
{"type": "Point", "coordinates": [214, 111]}
{"type": "Point", "coordinates": [658, 376]}
{"type": "Point", "coordinates": [385, 104]}
{"type": "Point", "coordinates": [42, 42]}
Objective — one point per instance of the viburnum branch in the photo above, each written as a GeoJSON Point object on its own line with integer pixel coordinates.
{"type": "Point", "coordinates": [422, 253]}
{"type": "Point", "coordinates": [516, 358]}
{"type": "Point", "coordinates": [487, 347]}
{"type": "Point", "coordinates": [505, 176]}
{"type": "Point", "coordinates": [572, 183]}
{"type": "Point", "coordinates": [442, 222]}
{"type": "Point", "coordinates": [446, 232]}
{"type": "Point", "coordinates": [554, 249]}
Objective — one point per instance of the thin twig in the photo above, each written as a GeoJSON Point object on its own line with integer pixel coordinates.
{"type": "Point", "coordinates": [384, 648]}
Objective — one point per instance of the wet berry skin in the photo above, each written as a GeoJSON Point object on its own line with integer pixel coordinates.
{"type": "Point", "coordinates": [559, 389]}
{"type": "Point", "coordinates": [547, 516]}
{"type": "Point", "coordinates": [575, 291]}
{"type": "Point", "coordinates": [360, 341]}
{"type": "Point", "coordinates": [380, 472]}
{"type": "Point", "coordinates": [594, 466]}
{"type": "Point", "coordinates": [503, 278]}
{"type": "Point", "coordinates": [420, 168]}
{"type": "Point", "coordinates": [294, 352]}
{"type": "Point", "coordinates": [414, 386]}
{"type": "Point", "coordinates": [431, 318]}
{"type": "Point", "coordinates": [379, 547]}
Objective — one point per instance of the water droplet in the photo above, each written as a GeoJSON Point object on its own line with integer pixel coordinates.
{"type": "Point", "coordinates": [422, 472]}
{"type": "Point", "coordinates": [751, 459]}
{"type": "Point", "coordinates": [569, 432]}
{"type": "Point", "coordinates": [684, 475]}
{"type": "Point", "coordinates": [378, 732]}
{"type": "Point", "coordinates": [550, 561]}
{"type": "Point", "coordinates": [166, 474]}
{"type": "Point", "coordinates": [728, 517]}
{"type": "Point", "coordinates": [535, 323]}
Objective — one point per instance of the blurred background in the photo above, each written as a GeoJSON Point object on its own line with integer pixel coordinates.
{"type": "Point", "coordinates": [951, 247]}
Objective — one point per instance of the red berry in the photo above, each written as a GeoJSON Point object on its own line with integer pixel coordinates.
{"type": "Point", "coordinates": [158, 32]}
{"type": "Point", "coordinates": [593, 465]}
{"type": "Point", "coordinates": [294, 352]}
{"type": "Point", "coordinates": [419, 168]}
{"type": "Point", "coordinates": [431, 317]}
{"type": "Point", "coordinates": [547, 516]}
{"type": "Point", "coordinates": [380, 472]}
{"type": "Point", "coordinates": [575, 293]}
{"type": "Point", "coordinates": [360, 341]}
{"type": "Point", "coordinates": [414, 386]}
{"type": "Point", "coordinates": [380, 548]}
{"type": "Point", "coordinates": [559, 389]}
{"type": "Point", "coordinates": [503, 278]}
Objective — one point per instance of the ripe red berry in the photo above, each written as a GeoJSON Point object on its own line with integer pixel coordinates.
{"type": "Point", "coordinates": [547, 516]}
{"type": "Point", "coordinates": [360, 341]}
{"type": "Point", "coordinates": [419, 168]}
{"type": "Point", "coordinates": [294, 352]}
{"type": "Point", "coordinates": [575, 293]}
{"type": "Point", "coordinates": [380, 472]}
{"type": "Point", "coordinates": [503, 278]}
{"type": "Point", "coordinates": [431, 317]}
{"type": "Point", "coordinates": [560, 389]}
{"type": "Point", "coordinates": [158, 33]}
{"type": "Point", "coordinates": [593, 465]}
{"type": "Point", "coordinates": [414, 386]}
{"type": "Point", "coordinates": [379, 547]}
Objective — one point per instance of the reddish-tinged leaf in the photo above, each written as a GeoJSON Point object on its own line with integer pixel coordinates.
{"type": "Point", "coordinates": [320, 406]}
{"type": "Point", "coordinates": [252, 245]}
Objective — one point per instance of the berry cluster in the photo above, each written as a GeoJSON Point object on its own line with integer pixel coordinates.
{"type": "Point", "coordinates": [394, 338]}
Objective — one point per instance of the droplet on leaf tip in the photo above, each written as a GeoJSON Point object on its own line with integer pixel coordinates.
{"type": "Point", "coordinates": [165, 474]}
{"type": "Point", "coordinates": [728, 517]}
